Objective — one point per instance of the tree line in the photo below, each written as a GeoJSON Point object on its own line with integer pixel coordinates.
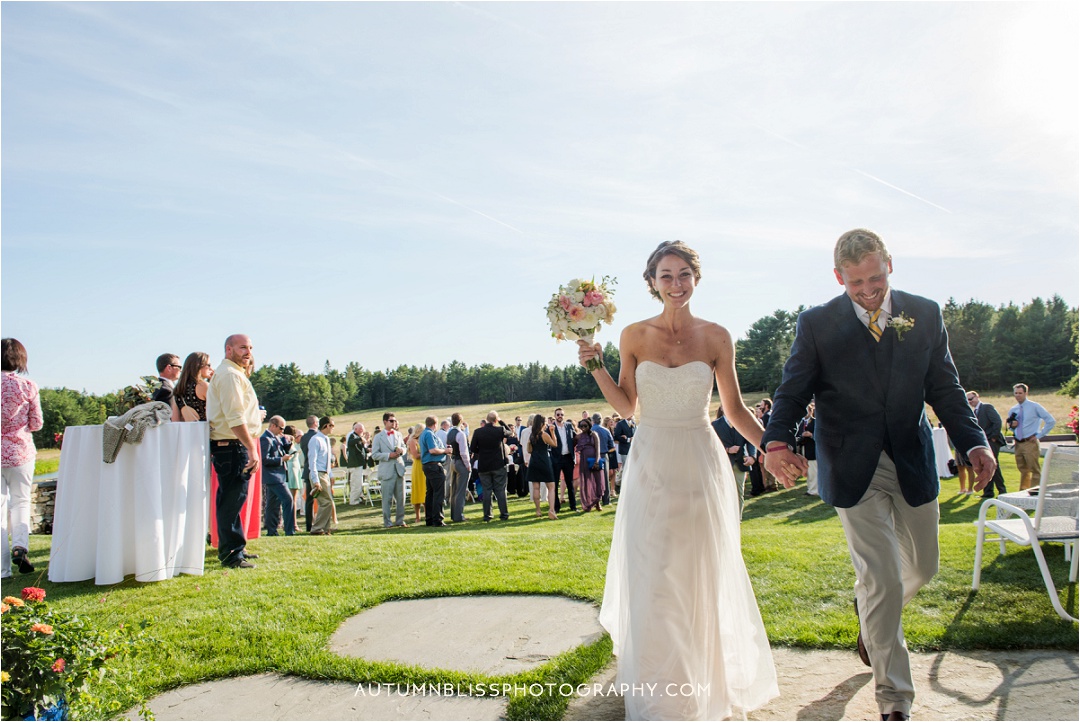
{"type": "Point", "coordinates": [993, 348]}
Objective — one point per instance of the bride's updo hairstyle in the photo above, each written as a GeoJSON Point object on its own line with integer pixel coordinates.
{"type": "Point", "coordinates": [671, 248]}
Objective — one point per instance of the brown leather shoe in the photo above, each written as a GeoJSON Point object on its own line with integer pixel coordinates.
{"type": "Point", "coordinates": [863, 654]}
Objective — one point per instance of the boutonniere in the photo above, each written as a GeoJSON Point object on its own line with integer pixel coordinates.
{"type": "Point", "coordinates": [901, 324]}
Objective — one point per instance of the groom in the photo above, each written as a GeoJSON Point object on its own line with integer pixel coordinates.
{"type": "Point", "coordinates": [872, 358]}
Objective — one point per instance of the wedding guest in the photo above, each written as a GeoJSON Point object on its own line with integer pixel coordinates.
{"type": "Point", "coordinates": [388, 448]}
{"type": "Point", "coordinates": [768, 481]}
{"type": "Point", "coordinates": [489, 448]}
{"type": "Point", "coordinates": [461, 466]}
{"type": "Point", "coordinates": [872, 358]}
{"type": "Point", "coordinates": [432, 457]}
{"type": "Point", "coordinates": [309, 495]}
{"type": "Point", "coordinates": [612, 457]}
{"type": "Point", "coordinates": [189, 393]}
{"type": "Point", "coordinates": [539, 444]}
{"type": "Point", "coordinates": [419, 480]}
{"type": "Point", "coordinates": [1029, 422]}
{"type": "Point", "coordinates": [563, 460]}
{"type": "Point", "coordinates": [515, 477]}
{"type": "Point", "coordinates": [590, 465]}
{"type": "Point", "coordinates": [21, 417]}
{"type": "Point", "coordinates": [989, 421]}
{"type": "Point", "coordinates": [805, 445]}
{"type": "Point", "coordinates": [318, 459]}
{"type": "Point", "coordinates": [624, 436]}
{"type": "Point", "coordinates": [358, 454]}
{"type": "Point", "coordinates": [294, 468]}
{"type": "Point", "coordinates": [277, 501]}
{"type": "Point", "coordinates": [168, 368]}
{"type": "Point", "coordinates": [233, 412]}
{"type": "Point", "coordinates": [740, 453]}
{"type": "Point", "coordinates": [442, 433]}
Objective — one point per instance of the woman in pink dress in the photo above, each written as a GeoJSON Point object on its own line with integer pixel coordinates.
{"type": "Point", "coordinates": [21, 416]}
{"type": "Point", "coordinates": [590, 466]}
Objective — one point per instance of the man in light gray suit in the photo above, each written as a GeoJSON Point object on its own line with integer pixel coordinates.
{"type": "Point", "coordinates": [388, 448]}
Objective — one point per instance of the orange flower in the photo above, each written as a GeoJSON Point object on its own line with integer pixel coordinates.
{"type": "Point", "coordinates": [14, 601]}
{"type": "Point", "coordinates": [3, 608]}
{"type": "Point", "coordinates": [43, 628]}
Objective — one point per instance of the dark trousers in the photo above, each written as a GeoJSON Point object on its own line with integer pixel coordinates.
{"type": "Point", "coordinates": [459, 480]}
{"type": "Point", "coordinates": [564, 464]}
{"type": "Point", "coordinates": [229, 462]}
{"type": "Point", "coordinates": [494, 483]}
{"type": "Point", "coordinates": [309, 502]}
{"type": "Point", "coordinates": [277, 500]}
{"type": "Point", "coordinates": [757, 481]}
{"type": "Point", "coordinates": [998, 480]}
{"type": "Point", "coordinates": [435, 473]}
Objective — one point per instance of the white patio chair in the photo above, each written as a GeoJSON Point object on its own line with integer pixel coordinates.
{"type": "Point", "coordinates": [1060, 469]}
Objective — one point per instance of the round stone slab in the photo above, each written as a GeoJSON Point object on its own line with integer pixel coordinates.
{"type": "Point", "coordinates": [278, 697]}
{"type": "Point", "coordinates": [492, 635]}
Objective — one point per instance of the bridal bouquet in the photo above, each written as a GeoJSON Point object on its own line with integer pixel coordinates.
{"type": "Point", "coordinates": [578, 308]}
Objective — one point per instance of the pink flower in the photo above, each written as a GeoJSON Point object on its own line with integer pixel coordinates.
{"type": "Point", "coordinates": [576, 313]}
{"type": "Point", "coordinates": [42, 628]}
{"type": "Point", "coordinates": [565, 302]}
{"type": "Point", "coordinates": [59, 664]}
{"type": "Point", "coordinates": [33, 594]}
{"type": "Point", "coordinates": [593, 298]}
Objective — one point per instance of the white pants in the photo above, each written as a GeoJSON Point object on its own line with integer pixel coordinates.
{"type": "Point", "coordinates": [811, 478]}
{"type": "Point", "coordinates": [356, 485]}
{"type": "Point", "coordinates": [15, 498]}
{"type": "Point", "coordinates": [894, 549]}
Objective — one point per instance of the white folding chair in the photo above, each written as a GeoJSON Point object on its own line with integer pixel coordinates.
{"type": "Point", "coordinates": [1059, 469]}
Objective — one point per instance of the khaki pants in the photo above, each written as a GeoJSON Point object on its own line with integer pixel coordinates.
{"type": "Point", "coordinates": [894, 549]}
{"type": "Point", "coordinates": [325, 500]}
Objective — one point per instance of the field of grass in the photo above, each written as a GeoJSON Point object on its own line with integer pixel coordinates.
{"type": "Point", "coordinates": [279, 617]}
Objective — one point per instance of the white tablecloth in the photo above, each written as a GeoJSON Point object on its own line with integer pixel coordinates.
{"type": "Point", "coordinates": [145, 514]}
{"type": "Point", "coordinates": [942, 452]}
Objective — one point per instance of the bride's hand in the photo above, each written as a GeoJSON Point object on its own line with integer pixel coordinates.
{"type": "Point", "coordinates": [587, 352]}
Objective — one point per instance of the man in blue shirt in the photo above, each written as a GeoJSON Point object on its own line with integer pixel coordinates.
{"type": "Point", "coordinates": [1029, 422]}
{"type": "Point", "coordinates": [433, 455]}
{"type": "Point", "coordinates": [607, 443]}
{"type": "Point", "coordinates": [319, 471]}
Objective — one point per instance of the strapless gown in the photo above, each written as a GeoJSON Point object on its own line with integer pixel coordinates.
{"type": "Point", "coordinates": [678, 603]}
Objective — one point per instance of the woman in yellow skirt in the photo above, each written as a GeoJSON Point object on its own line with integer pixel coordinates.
{"type": "Point", "coordinates": [419, 481]}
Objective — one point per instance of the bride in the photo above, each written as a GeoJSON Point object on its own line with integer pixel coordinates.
{"type": "Point", "coordinates": [678, 602]}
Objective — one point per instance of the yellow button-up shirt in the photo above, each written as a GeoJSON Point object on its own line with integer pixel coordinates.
{"type": "Point", "coordinates": [231, 401]}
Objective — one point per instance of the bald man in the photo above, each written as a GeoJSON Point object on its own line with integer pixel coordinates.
{"type": "Point", "coordinates": [233, 412]}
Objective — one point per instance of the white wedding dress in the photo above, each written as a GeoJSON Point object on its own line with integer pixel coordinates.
{"type": "Point", "coordinates": [678, 602]}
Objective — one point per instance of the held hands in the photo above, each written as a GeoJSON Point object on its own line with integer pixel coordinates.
{"type": "Point", "coordinates": [982, 462]}
{"type": "Point", "coordinates": [786, 466]}
{"type": "Point", "coordinates": [588, 353]}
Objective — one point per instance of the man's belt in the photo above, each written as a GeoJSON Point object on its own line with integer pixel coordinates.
{"type": "Point", "coordinates": [1030, 438]}
{"type": "Point", "coordinates": [225, 442]}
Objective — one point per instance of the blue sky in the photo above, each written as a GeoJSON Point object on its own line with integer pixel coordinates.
{"type": "Point", "coordinates": [395, 183]}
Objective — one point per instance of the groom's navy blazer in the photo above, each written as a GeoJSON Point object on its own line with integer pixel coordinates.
{"type": "Point", "coordinates": [867, 392]}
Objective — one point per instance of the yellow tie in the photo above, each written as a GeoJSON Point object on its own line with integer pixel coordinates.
{"type": "Point", "coordinates": [874, 330]}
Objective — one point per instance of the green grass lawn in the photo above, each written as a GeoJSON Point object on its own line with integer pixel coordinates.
{"type": "Point", "coordinates": [279, 617]}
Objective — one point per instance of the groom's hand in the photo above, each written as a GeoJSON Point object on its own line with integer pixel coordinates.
{"type": "Point", "coordinates": [982, 462]}
{"type": "Point", "coordinates": [785, 465]}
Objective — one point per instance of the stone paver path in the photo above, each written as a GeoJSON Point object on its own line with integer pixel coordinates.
{"type": "Point", "coordinates": [498, 635]}
{"type": "Point", "coordinates": [492, 635]}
